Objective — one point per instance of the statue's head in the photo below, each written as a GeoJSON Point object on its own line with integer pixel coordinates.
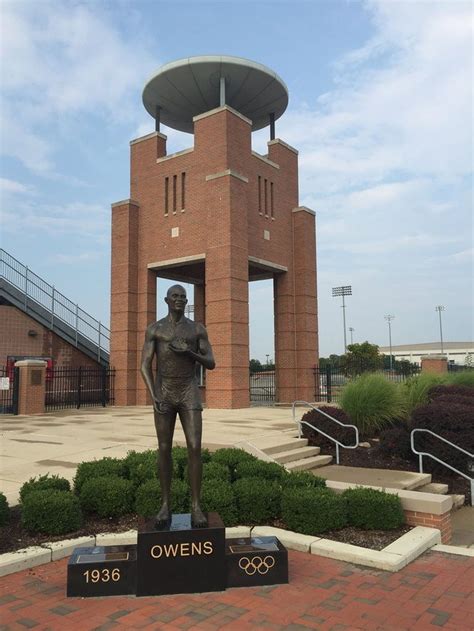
{"type": "Point", "coordinates": [176, 298]}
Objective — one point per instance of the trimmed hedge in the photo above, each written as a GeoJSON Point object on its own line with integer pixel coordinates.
{"type": "Point", "coordinates": [43, 483]}
{"type": "Point", "coordinates": [108, 497]}
{"type": "Point", "coordinates": [212, 471]}
{"type": "Point", "coordinates": [4, 510]}
{"type": "Point", "coordinates": [303, 479]}
{"type": "Point", "coordinates": [105, 467]}
{"type": "Point", "coordinates": [51, 512]}
{"type": "Point", "coordinates": [231, 457]}
{"type": "Point", "coordinates": [258, 501]}
{"type": "Point", "coordinates": [148, 498]}
{"type": "Point", "coordinates": [373, 510]}
{"type": "Point", "coordinates": [218, 496]}
{"type": "Point", "coordinates": [311, 511]}
{"type": "Point", "coordinates": [260, 469]}
{"type": "Point", "coordinates": [141, 466]}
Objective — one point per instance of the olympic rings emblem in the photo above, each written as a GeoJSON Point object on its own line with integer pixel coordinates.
{"type": "Point", "coordinates": [256, 564]}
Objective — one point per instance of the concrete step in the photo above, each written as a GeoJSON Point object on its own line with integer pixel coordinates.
{"type": "Point", "coordinates": [277, 444]}
{"type": "Point", "coordinates": [296, 454]}
{"type": "Point", "coordinates": [458, 501]}
{"type": "Point", "coordinates": [384, 478]}
{"type": "Point", "coordinates": [434, 487]}
{"type": "Point", "coordinates": [308, 463]}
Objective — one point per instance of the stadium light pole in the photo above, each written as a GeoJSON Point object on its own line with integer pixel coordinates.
{"type": "Point", "coordinates": [439, 309]}
{"type": "Point", "coordinates": [389, 319]}
{"type": "Point", "coordinates": [351, 330]}
{"type": "Point", "coordinates": [346, 290]}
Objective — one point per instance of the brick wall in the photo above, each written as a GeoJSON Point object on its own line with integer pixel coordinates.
{"type": "Point", "coordinates": [441, 522]}
{"type": "Point", "coordinates": [14, 340]}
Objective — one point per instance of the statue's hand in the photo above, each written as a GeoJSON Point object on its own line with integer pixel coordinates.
{"type": "Point", "coordinates": [156, 404]}
{"type": "Point", "coordinates": [179, 346]}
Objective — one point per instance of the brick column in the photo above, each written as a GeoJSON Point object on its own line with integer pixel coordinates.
{"type": "Point", "coordinates": [124, 300]}
{"type": "Point", "coordinates": [306, 319]}
{"type": "Point", "coordinates": [146, 314]}
{"type": "Point", "coordinates": [199, 304]}
{"type": "Point", "coordinates": [435, 363]}
{"type": "Point", "coordinates": [32, 391]}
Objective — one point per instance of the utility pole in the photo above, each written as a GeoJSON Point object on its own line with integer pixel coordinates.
{"type": "Point", "coordinates": [351, 330]}
{"type": "Point", "coordinates": [439, 309]}
{"type": "Point", "coordinates": [389, 319]}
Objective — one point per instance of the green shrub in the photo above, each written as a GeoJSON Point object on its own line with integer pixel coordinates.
{"type": "Point", "coordinates": [231, 457]}
{"type": "Point", "coordinates": [258, 500]}
{"type": "Point", "coordinates": [462, 378]}
{"type": "Point", "coordinates": [260, 469]}
{"type": "Point", "coordinates": [4, 510]}
{"type": "Point", "coordinates": [105, 467]}
{"type": "Point", "coordinates": [372, 402]}
{"type": "Point", "coordinates": [180, 502]}
{"type": "Point", "coordinates": [305, 479]}
{"type": "Point", "coordinates": [373, 510]}
{"type": "Point", "coordinates": [51, 512]}
{"type": "Point", "coordinates": [43, 483]}
{"type": "Point", "coordinates": [212, 471]}
{"type": "Point", "coordinates": [108, 497]}
{"type": "Point", "coordinates": [312, 510]}
{"type": "Point", "coordinates": [416, 389]}
{"type": "Point", "coordinates": [218, 496]}
{"type": "Point", "coordinates": [148, 498]}
{"type": "Point", "coordinates": [140, 466]}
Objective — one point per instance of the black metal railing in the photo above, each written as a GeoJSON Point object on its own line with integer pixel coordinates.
{"type": "Point", "coordinates": [56, 309]}
{"type": "Point", "coordinates": [329, 381]}
{"type": "Point", "coordinates": [262, 386]}
{"type": "Point", "coordinates": [9, 385]}
{"type": "Point", "coordinates": [78, 387]}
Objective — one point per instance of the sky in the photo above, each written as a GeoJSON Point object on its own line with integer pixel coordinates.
{"type": "Point", "coordinates": [380, 110]}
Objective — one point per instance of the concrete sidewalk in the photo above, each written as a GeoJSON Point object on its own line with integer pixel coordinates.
{"type": "Point", "coordinates": [56, 442]}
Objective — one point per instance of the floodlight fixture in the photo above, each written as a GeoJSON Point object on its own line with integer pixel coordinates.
{"type": "Point", "coordinates": [345, 290]}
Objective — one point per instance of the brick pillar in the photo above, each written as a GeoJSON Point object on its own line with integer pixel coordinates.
{"type": "Point", "coordinates": [435, 363]}
{"type": "Point", "coordinates": [146, 314]}
{"type": "Point", "coordinates": [32, 391]}
{"type": "Point", "coordinates": [306, 319]}
{"type": "Point", "coordinates": [199, 304]}
{"type": "Point", "coordinates": [285, 343]}
{"type": "Point", "coordinates": [222, 138]}
{"type": "Point", "coordinates": [124, 302]}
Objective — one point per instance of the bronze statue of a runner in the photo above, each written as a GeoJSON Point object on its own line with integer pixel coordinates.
{"type": "Point", "coordinates": [178, 344]}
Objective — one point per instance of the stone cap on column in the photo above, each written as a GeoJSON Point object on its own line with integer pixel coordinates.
{"type": "Point", "coordinates": [278, 141]}
{"type": "Point", "coordinates": [305, 209]}
{"type": "Point", "coordinates": [222, 108]}
{"type": "Point", "coordinates": [37, 363]}
{"type": "Point", "coordinates": [154, 134]}
{"type": "Point", "coordinates": [126, 202]}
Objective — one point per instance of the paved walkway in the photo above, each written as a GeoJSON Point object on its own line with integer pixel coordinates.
{"type": "Point", "coordinates": [58, 441]}
{"type": "Point", "coordinates": [435, 591]}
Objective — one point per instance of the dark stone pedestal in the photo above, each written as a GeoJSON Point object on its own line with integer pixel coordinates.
{"type": "Point", "coordinates": [102, 571]}
{"type": "Point", "coordinates": [254, 561]}
{"type": "Point", "coordinates": [181, 559]}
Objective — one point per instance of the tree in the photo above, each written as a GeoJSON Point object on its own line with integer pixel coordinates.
{"type": "Point", "coordinates": [362, 358]}
{"type": "Point", "coordinates": [255, 365]}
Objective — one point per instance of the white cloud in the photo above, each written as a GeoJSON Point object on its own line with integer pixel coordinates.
{"type": "Point", "coordinates": [62, 60]}
{"type": "Point", "coordinates": [12, 187]}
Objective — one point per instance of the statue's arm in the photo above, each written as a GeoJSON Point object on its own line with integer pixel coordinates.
{"type": "Point", "coordinates": [204, 356]}
{"type": "Point", "coordinates": [148, 352]}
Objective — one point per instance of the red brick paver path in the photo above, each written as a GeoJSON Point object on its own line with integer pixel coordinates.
{"type": "Point", "coordinates": [434, 592]}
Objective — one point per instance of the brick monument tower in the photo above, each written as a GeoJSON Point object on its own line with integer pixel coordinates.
{"type": "Point", "coordinates": [216, 215]}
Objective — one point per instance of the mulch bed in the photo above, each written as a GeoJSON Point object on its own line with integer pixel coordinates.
{"type": "Point", "coordinates": [13, 537]}
{"type": "Point", "coordinates": [374, 458]}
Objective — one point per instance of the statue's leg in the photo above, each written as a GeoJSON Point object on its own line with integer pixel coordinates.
{"type": "Point", "coordinates": [164, 424]}
{"type": "Point", "coordinates": [191, 421]}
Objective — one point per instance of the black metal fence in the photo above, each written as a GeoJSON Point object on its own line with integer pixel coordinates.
{"type": "Point", "coordinates": [9, 385]}
{"type": "Point", "coordinates": [329, 381]}
{"type": "Point", "coordinates": [68, 387]}
{"type": "Point", "coordinates": [262, 387]}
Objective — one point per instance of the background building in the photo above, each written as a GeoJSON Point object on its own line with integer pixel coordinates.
{"type": "Point", "coordinates": [456, 352]}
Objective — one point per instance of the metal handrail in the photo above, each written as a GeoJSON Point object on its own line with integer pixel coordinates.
{"type": "Point", "coordinates": [425, 453]}
{"type": "Point", "coordinates": [36, 290]}
{"type": "Point", "coordinates": [320, 431]}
